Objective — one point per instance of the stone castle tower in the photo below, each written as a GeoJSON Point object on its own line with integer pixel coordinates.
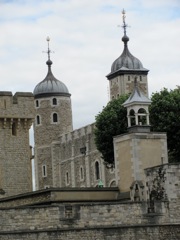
{"type": "Point", "coordinates": [67, 158]}
{"type": "Point", "coordinates": [53, 117]}
{"type": "Point", "coordinates": [124, 69]}
{"type": "Point", "coordinates": [16, 117]}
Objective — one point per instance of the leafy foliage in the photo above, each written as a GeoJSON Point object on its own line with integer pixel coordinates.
{"type": "Point", "coordinates": [111, 122]}
{"type": "Point", "coordinates": [165, 117]}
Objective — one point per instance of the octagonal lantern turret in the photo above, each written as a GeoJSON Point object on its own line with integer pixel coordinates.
{"type": "Point", "coordinates": [137, 110]}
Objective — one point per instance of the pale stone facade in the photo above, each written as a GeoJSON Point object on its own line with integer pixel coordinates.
{"type": "Point", "coordinates": [135, 152]}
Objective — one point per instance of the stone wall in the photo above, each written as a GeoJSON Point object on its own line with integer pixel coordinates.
{"type": "Point", "coordinates": [124, 84]}
{"type": "Point", "coordinates": [93, 221]}
{"type": "Point", "coordinates": [74, 159]}
{"type": "Point", "coordinates": [165, 178]}
{"type": "Point", "coordinates": [46, 131]}
{"type": "Point", "coordinates": [126, 233]}
{"type": "Point", "coordinates": [16, 117]}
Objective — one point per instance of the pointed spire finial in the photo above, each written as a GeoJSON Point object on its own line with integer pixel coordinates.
{"type": "Point", "coordinates": [49, 62]}
{"type": "Point", "coordinates": [125, 38]}
{"type": "Point", "coordinates": [124, 22]}
{"type": "Point", "coordinates": [48, 51]}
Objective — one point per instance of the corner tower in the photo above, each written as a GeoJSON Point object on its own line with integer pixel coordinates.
{"type": "Point", "coordinates": [16, 117]}
{"type": "Point", "coordinates": [124, 69]}
{"type": "Point", "coordinates": [53, 118]}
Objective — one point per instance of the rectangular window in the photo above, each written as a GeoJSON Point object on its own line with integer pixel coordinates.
{"type": "Point", "coordinates": [68, 211]}
{"type": "Point", "coordinates": [14, 129]}
{"type": "Point", "coordinates": [44, 171]}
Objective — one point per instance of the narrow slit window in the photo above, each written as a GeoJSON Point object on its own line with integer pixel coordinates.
{"type": "Point", "coordinates": [97, 173]}
{"type": "Point", "coordinates": [38, 120]}
{"type": "Point", "coordinates": [55, 117]}
{"type": "Point", "coordinates": [44, 171]}
{"type": "Point", "coordinates": [14, 129]}
{"type": "Point", "coordinates": [37, 103]}
{"type": "Point", "coordinates": [81, 173]}
{"type": "Point", "coordinates": [67, 178]}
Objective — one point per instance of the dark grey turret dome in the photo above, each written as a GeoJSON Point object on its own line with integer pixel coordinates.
{"type": "Point", "coordinates": [126, 61]}
{"type": "Point", "coordinates": [50, 86]}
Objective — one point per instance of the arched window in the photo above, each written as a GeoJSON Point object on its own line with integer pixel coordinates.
{"type": "Point", "coordinates": [54, 101]}
{"type": "Point", "coordinates": [142, 120]}
{"type": "Point", "coordinates": [38, 121]}
{"type": "Point", "coordinates": [97, 172]}
{"type": "Point", "coordinates": [37, 103]}
{"type": "Point", "coordinates": [113, 183]}
{"type": "Point", "coordinates": [55, 117]}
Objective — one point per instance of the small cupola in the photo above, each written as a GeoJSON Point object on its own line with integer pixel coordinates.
{"type": "Point", "coordinates": [137, 110]}
{"type": "Point", "coordinates": [50, 86]}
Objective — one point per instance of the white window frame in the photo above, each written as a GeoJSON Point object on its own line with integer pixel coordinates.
{"type": "Point", "coordinates": [52, 101]}
{"type": "Point", "coordinates": [52, 118]}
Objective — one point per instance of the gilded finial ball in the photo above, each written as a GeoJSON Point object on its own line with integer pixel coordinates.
{"type": "Point", "coordinates": [48, 39]}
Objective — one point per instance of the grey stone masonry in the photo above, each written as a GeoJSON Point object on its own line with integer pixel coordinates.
{"type": "Point", "coordinates": [16, 117]}
{"type": "Point", "coordinates": [51, 121]}
{"type": "Point", "coordinates": [76, 159]}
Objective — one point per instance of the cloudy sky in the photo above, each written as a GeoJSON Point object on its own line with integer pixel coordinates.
{"type": "Point", "coordinates": [85, 40]}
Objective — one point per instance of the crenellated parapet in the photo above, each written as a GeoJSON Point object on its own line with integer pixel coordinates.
{"type": "Point", "coordinates": [16, 110]}
{"type": "Point", "coordinates": [20, 105]}
{"type": "Point", "coordinates": [78, 133]}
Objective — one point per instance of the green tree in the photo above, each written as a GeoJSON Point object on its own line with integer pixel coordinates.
{"type": "Point", "coordinates": [165, 117]}
{"type": "Point", "coordinates": [111, 122]}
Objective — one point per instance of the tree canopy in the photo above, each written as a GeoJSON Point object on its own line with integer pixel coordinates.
{"type": "Point", "coordinates": [111, 122]}
{"type": "Point", "coordinates": [164, 117]}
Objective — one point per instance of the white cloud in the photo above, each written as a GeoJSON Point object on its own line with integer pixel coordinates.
{"type": "Point", "coordinates": [86, 40]}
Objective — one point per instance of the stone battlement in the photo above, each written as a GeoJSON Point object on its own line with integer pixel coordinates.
{"type": "Point", "coordinates": [78, 133]}
{"type": "Point", "coordinates": [19, 105]}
